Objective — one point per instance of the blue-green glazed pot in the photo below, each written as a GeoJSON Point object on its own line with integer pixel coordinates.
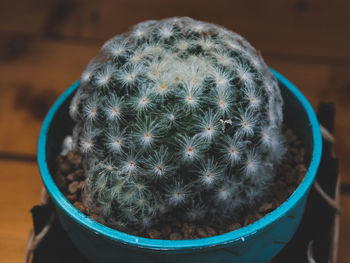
{"type": "Point", "coordinates": [257, 242]}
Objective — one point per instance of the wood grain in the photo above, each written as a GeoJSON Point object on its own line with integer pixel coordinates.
{"type": "Point", "coordinates": [344, 239]}
{"type": "Point", "coordinates": [316, 28]}
{"type": "Point", "coordinates": [30, 84]}
{"type": "Point", "coordinates": [20, 191]}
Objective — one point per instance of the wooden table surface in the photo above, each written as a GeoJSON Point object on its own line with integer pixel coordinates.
{"type": "Point", "coordinates": [45, 45]}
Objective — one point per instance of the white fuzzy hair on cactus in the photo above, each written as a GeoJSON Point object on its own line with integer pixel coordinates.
{"type": "Point", "coordinates": [177, 116]}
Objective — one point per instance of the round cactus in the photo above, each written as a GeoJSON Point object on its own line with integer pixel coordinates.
{"type": "Point", "coordinates": [177, 116]}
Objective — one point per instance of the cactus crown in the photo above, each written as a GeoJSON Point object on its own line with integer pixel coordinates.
{"type": "Point", "coordinates": [178, 115]}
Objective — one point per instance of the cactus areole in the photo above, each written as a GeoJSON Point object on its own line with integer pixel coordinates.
{"type": "Point", "coordinates": [177, 116]}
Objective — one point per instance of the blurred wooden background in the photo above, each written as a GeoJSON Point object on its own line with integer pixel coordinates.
{"type": "Point", "coordinates": [45, 45]}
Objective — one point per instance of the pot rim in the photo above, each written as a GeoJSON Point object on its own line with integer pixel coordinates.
{"type": "Point", "coordinates": [236, 236]}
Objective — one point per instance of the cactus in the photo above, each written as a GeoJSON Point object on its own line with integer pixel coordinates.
{"type": "Point", "coordinates": [177, 116]}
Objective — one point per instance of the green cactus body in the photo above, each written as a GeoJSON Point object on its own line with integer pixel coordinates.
{"type": "Point", "coordinates": [180, 116]}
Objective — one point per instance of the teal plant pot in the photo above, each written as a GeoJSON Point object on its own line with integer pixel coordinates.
{"type": "Point", "coordinates": [257, 242]}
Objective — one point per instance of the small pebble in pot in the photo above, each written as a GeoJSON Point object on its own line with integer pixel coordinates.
{"type": "Point", "coordinates": [166, 230]}
{"type": "Point", "coordinates": [211, 231]}
{"type": "Point", "coordinates": [153, 233]}
{"type": "Point", "coordinates": [72, 198]}
{"type": "Point", "coordinates": [201, 232]}
{"type": "Point", "coordinates": [249, 219]}
{"type": "Point", "coordinates": [188, 229]}
{"type": "Point", "coordinates": [78, 205]}
{"type": "Point", "coordinates": [74, 159]}
{"type": "Point", "coordinates": [94, 217]}
{"type": "Point", "coordinates": [74, 187]}
{"type": "Point", "coordinates": [78, 174]}
{"type": "Point", "coordinates": [61, 180]}
{"type": "Point", "coordinates": [233, 227]}
{"type": "Point", "coordinates": [176, 236]}
{"type": "Point", "coordinates": [64, 165]}
{"type": "Point", "coordinates": [265, 208]}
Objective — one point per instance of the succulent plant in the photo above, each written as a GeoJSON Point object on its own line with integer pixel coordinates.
{"type": "Point", "coordinates": [177, 116]}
